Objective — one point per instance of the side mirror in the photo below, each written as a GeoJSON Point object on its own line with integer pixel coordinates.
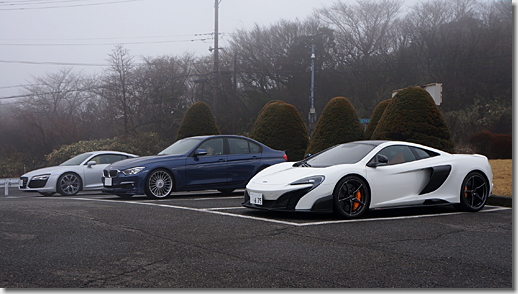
{"type": "Point", "coordinates": [380, 160]}
{"type": "Point", "coordinates": [90, 163]}
{"type": "Point", "coordinates": [308, 155]}
{"type": "Point", "coordinates": [200, 152]}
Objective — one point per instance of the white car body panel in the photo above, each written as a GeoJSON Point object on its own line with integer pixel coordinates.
{"type": "Point", "coordinates": [390, 185]}
{"type": "Point", "coordinates": [90, 175]}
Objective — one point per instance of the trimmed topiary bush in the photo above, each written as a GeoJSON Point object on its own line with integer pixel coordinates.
{"type": "Point", "coordinates": [412, 116]}
{"type": "Point", "coordinates": [280, 126]}
{"type": "Point", "coordinates": [376, 115]}
{"type": "Point", "coordinates": [197, 121]}
{"type": "Point", "coordinates": [337, 124]}
{"type": "Point", "coordinates": [494, 146]}
{"type": "Point", "coordinates": [142, 145]}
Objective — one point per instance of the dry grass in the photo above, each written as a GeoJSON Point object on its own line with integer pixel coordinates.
{"type": "Point", "coordinates": [502, 177]}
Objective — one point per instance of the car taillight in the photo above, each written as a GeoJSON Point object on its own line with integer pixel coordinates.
{"type": "Point", "coordinates": [285, 157]}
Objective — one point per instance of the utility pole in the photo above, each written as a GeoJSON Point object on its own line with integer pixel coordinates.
{"type": "Point", "coordinates": [312, 113]}
{"type": "Point", "coordinates": [216, 62]}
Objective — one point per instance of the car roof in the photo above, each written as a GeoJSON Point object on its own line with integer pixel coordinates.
{"type": "Point", "coordinates": [110, 152]}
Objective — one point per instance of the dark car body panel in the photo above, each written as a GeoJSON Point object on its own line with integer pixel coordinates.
{"type": "Point", "coordinates": [191, 173]}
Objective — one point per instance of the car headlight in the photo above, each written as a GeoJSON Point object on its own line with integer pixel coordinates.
{"type": "Point", "coordinates": [133, 170]}
{"type": "Point", "coordinates": [40, 177]}
{"type": "Point", "coordinates": [313, 180]}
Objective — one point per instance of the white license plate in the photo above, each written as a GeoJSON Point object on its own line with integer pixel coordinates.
{"type": "Point", "coordinates": [256, 198]}
{"type": "Point", "coordinates": [107, 181]}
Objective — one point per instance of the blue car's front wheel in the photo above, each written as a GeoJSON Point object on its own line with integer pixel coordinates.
{"type": "Point", "coordinates": [159, 184]}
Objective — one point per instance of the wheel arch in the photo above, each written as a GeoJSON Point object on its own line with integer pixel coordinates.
{"type": "Point", "coordinates": [482, 173]}
{"type": "Point", "coordinates": [357, 175]}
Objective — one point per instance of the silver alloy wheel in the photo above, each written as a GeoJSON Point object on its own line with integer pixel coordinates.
{"type": "Point", "coordinates": [159, 184]}
{"type": "Point", "coordinates": [69, 184]}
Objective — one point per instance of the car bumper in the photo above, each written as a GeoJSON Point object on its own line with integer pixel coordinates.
{"type": "Point", "coordinates": [123, 185]}
{"type": "Point", "coordinates": [46, 186]}
{"type": "Point", "coordinates": [288, 201]}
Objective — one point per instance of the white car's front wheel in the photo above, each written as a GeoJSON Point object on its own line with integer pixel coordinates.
{"type": "Point", "coordinates": [351, 197]}
{"type": "Point", "coordinates": [69, 184]}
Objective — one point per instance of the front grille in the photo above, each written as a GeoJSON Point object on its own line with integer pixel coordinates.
{"type": "Point", "coordinates": [24, 182]}
{"type": "Point", "coordinates": [110, 173]}
{"type": "Point", "coordinates": [37, 184]}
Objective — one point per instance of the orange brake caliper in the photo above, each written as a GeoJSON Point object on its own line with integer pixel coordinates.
{"type": "Point", "coordinates": [359, 197]}
{"type": "Point", "coordinates": [466, 193]}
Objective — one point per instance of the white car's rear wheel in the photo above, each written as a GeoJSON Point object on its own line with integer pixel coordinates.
{"type": "Point", "coordinates": [159, 184]}
{"type": "Point", "coordinates": [351, 197]}
{"type": "Point", "coordinates": [474, 192]}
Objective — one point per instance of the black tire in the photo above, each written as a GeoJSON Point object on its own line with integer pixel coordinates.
{"type": "Point", "coordinates": [351, 197]}
{"type": "Point", "coordinates": [159, 184]}
{"type": "Point", "coordinates": [69, 184]}
{"type": "Point", "coordinates": [226, 191]}
{"type": "Point", "coordinates": [47, 193]}
{"type": "Point", "coordinates": [474, 192]}
{"type": "Point", "coordinates": [125, 196]}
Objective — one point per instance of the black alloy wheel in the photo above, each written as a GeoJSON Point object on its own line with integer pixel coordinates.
{"type": "Point", "coordinates": [351, 197]}
{"type": "Point", "coordinates": [474, 192]}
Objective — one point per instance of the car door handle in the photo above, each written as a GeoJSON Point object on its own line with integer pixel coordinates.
{"type": "Point", "coordinates": [221, 160]}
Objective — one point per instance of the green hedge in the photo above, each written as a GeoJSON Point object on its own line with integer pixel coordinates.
{"type": "Point", "coordinates": [337, 124]}
{"type": "Point", "coordinates": [197, 121]}
{"type": "Point", "coordinates": [376, 115]}
{"type": "Point", "coordinates": [280, 126]}
{"type": "Point", "coordinates": [413, 116]}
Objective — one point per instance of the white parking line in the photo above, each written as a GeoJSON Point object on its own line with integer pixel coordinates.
{"type": "Point", "coordinates": [214, 211]}
{"type": "Point", "coordinates": [226, 208]}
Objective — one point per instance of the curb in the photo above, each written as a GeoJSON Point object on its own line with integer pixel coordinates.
{"type": "Point", "coordinates": [500, 201]}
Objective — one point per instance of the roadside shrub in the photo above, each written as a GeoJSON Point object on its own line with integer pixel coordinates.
{"type": "Point", "coordinates": [337, 124]}
{"type": "Point", "coordinates": [11, 167]}
{"type": "Point", "coordinates": [280, 126]}
{"type": "Point", "coordinates": [494, 146]}
{"type": "Point", "coordinates": [142, 145]}
{"type": "Point", "coordinates": [197, 121]}
{"type": "Point", "coordinates": [376, 115]}
{"type": "Point", "coordinates": [413, 116]}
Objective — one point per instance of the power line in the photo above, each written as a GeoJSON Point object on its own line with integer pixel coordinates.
{"type": "Point", "coordinates": [62, 6]}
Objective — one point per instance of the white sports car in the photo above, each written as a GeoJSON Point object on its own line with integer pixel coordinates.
{"type": "Point", "coordinates": [351, 178]}
{"type": "Point", "coordinates": [82, 172]}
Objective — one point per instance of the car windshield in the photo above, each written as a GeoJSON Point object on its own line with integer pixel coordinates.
{"type": "Point", "coordinates": [180, 147]}
{"type": "Point", "coordinates": [77, 159]}
{"type": "Point", "coordinates": [341, 154]}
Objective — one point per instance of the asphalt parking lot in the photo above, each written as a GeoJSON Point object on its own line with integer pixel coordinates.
{"type": "Point", "coordinates": [207, 240]}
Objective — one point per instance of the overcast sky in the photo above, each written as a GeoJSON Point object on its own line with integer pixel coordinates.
{"type": "Point", "coordinates": [42, 36]}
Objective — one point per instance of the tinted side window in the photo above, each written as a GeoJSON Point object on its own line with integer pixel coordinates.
{"type": "Point", "coordinates": [238, 146]}
{"type": "Point", "coordinates": [254, 148]}
{"type": "Point", "coordinates": [397, 154]}
{"type": "Point", "coordinates": [421, 153]}
{"type": "Point", "coordinates": [107, 158]}
{"type": "Point", "coordinates": [213, 146]}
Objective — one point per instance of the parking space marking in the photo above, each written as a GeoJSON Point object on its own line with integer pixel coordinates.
{"type": "Point", "coordinates": [226, 208]}
{"type": "Point", "coordinates": [215, 211]}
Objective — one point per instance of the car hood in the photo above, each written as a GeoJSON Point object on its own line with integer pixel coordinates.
{"type": "Point", "coordinates": [51, 170]}
{"type": "Point", "coordinates": [285, 176]}
{"type": "Point", "coordinates": [142, 161]}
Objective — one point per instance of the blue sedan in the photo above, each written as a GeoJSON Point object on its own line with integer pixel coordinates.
{"type": "Point", "coordinates": [221, 162]}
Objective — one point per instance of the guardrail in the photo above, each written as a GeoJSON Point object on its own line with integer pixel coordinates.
{"type": "Point", "coordinates": [6, 183]}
